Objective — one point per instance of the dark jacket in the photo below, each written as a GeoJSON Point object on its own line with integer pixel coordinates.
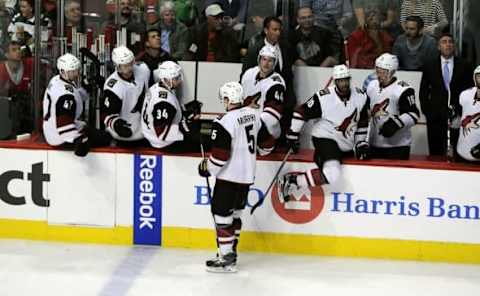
{"type": "Point", "coordinates": [434, 95]}
{"type": "Point", "coordinates": [152, 62]}
{"type": "Point", "coordinates": [226, 45]}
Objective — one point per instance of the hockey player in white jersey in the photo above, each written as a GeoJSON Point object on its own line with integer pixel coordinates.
{"type": "Point", "coordinates": [123, 98]}
{"type": "Point", "coordinates": [393, 111]}
{"type": "Point", "coordinates": [340, 129]}
{"type": "Point", "coordinates": [468, 146]}
{"type": "Point", "coordinates": [63, 108]}
{"type": "Point", "coordinates": [165, 123]}
{"type": "Point", "coordinates": [265, 89]}
{"type": "Point", "coordinates": [232, 161]}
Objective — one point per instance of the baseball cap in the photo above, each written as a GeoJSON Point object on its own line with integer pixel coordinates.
{"type": "Point", "coordinates": [213, 10]}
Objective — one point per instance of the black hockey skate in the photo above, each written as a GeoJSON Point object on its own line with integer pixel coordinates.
{"type": "Point", "coordinates": [286, 184]}
{"type": "Point", "coordinates": [222, 264]}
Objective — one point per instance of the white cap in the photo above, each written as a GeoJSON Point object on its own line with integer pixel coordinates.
{"type": "Point", "coordinates": [340, 72]}
{"type": "Point", "coordinates": [213, 10]}
{"type": "Point", "coordinates": [122, 55]}
{"type": "Point", "coordinates": [68, 62]}
{"type": "Point", "coordinates": [233, 91]}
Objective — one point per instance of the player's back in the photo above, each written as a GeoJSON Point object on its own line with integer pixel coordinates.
{"type": "Point", "coordinates": [242, 125]}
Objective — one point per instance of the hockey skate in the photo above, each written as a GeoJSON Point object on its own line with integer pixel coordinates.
{"type": "Point", "coordinates": [286, 184]}
{"type": "Point", "coordinates": [222, 264]}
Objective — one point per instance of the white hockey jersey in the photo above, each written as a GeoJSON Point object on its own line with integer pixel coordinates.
{"type": "Point", "coordinates": [470, 124]}
{"type": "Point", "coordinates": [234, 137]}
{"type": "Point", "coordinates": [267, 95]}
{"type": "Point", "coordinates": [62, 108]}
{"type": "Point", "coordinates": [344, 121]}
{"type": "Point", "coordinates": [124, 99]}
{"type": "Point", "coordinates": [162, 114]}
{"type": "Point", "coordinates": [396, 101]}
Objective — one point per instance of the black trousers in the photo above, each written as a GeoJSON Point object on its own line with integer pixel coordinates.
{"type": "Point", "coordinates": [437, 136]}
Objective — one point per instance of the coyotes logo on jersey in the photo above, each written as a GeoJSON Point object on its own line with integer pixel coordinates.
{"type": "Point", "coordinates": [379, 110]}
{"type": "Point", "coordinates": [470, 122]}
{"type": "Point", "coordinates": [252, 101]}
{"type": "Point", "coordinates": [347, 127]}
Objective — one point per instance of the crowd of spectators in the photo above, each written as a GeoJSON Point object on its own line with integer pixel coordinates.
{"type": "Point", "coordinates": [310, 33]}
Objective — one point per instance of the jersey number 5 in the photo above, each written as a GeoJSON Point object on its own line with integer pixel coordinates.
{"type": "Point", "coordinates": [250, 138]}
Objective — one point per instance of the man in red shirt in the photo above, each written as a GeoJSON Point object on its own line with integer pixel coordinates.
{"type": "Point", "coordinates": [16, 72]}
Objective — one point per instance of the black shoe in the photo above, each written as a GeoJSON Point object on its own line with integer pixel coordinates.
{"type": "Point", "coordinates": [223, 264]}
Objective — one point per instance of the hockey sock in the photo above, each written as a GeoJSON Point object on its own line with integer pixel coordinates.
{"type": "Point", "coordinates": [225, 233]}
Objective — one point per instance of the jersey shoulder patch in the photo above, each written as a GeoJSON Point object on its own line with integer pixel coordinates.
{"type": "Point", "coordinates": [111, 82]}
{"type": "Point", "coordinates": [69, 88]}
{"type": "Point", "coordinates": [359, 91]}
{"type": "Point", "coordinates": [277, 78]}
{"type": "Point", "coordinates": [163, 94]}
{"type": "Point", "coordinates": [403, 83]}
{"type": "Point", "coordinates": [324, 92]}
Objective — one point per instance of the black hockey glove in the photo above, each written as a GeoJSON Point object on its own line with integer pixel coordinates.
{"type": "Point", "coordinates": [475, 151]}
{"type": "Point", "coordinates": [362, 150]}
{"type": "Point", "coordinates": [390, 127]}
{"type": "Point", "coordinates": [122, 128]}
{"type": "Point", "coordinates": [203, 168]}
{"type": "Point", "coordinates": [293, 142]}
{"type": "Point", "coordinates": [82, 146]}
{"type": "Point", "coordinates": [192, 109]}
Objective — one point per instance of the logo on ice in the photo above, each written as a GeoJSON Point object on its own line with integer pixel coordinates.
{"type": "Point", "coordinates": [148, 199]}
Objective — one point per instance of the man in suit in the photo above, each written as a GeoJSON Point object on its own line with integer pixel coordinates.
{"type": "Point", "coordinates": [444, 78]}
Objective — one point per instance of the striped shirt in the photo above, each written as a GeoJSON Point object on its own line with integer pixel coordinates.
{"type": "Point", "coordinates": [431, 11]}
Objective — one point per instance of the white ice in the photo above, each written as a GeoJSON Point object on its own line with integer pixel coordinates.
{"type": "Point", "coordinates": [40, 268]}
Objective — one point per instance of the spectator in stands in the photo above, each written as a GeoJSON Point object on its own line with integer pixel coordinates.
{"type": "Point", "coordinates": [151, 16]}
{"type": "Point", "coordinates": [16, 75]}
{"type": "Point", "coordinates": [212, 41]}
{"type": "Point", "coordinates": [153, 55]}
{"type": "Point", "coordinates": [11, 7]}
{"type": "Point", "coordinates": [235, 12]}
{"type": "Point", "coordinates": [186, 12]}
{"type": "Point", "coordinates": [443, 79]}
{"type": "Point", "coordinates": [73, 21]}
{"type": "Point", "coordinates": [368, 42]}
{"type": "Point", "coordinates": [386, 10]}
{"type": "Point", "coordinates": [413, 48]}
{"type": "Point", "coordinates": [175, 36]}
{"type": "Point", "coordinates": [332, 14]}
{"type": "Point", "coordinates": [22, 27]}
{"type": "Point", "coordinates": [431, 12]}
{"type": "Point", "coordinates": [315, 45]}
{"type": "Point", "coordinates": [134, 25]}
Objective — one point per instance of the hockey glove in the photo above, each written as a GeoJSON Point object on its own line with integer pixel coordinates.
{"type": "Point", "coordinates": [192, 109]}
{"type": "Point", "coordinates": [293, 142]}
{"type": "Point", "coordinates": [203, 168]}
{"type": "Point", "coordinates": [122, 128]}
{"type": "Point", "coordinates": [82, 146]}
{"type": "Point", "coordinates": [362, 150]}
{"type": "Point", "coordinates": [475, 151]}
{"type": "Point", "coordinates": [390, 127]}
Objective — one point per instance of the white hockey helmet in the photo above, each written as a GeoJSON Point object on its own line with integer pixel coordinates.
{"type": "Point", "coordinates": [268, 51]}
{"type": "Point", "coordinates": [167, 71]}
{"type": "Point", "coordinates": [122, 55]}
{"type": "Point", "coordinates": [232, 91]}
{"type": "Point", "coordinates": [68, 62]}
{"type": "Point", "coordinates": [340, 72]}
{"type": "Point", "coordinates": [475, 73]}
{"type": "Point", "coordinates": [388, 62]}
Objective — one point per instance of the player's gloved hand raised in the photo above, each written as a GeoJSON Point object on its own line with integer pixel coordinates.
{"type": "Point", "coordinates": [203, 168]}
{"type": "Point", "coordinates": [475, 151]}
{"type": "Point", "coordinates": [390, 127]}
{"type": "Point", "coordinates": [122, 128]}
{"type": "Point", "coordinates": [82, 146]}
{"type": "Point", "coordinates": [192, 110]}
{"type": "Point", "coordinates": [362, 150]}
{"type": "Point", "coordinates": [292, 141]}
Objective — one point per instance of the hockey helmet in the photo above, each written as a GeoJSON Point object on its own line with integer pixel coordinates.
{"type": "Point", "coordinates": [232, 91]}
{"type": "Point", "coordinates": [475, 73]}
{"type": "Point", "coordinates": [68, 62]}
{"type": "Point", "coordinates": [268, 51]}
{"type": "Point", "coordinates": [388, 62]}
{"type": "Point", "coordinates": [340, 72]}
{"type": "Point", "coordinates": [166, 72]}
{"type": "Point", "coordinates": [122, 55]}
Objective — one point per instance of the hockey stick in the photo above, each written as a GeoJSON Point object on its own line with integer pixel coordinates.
{"type": "Point", "coordinates": [260, 201]}
{"type": "Point", "coordinates": [450, 156]}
